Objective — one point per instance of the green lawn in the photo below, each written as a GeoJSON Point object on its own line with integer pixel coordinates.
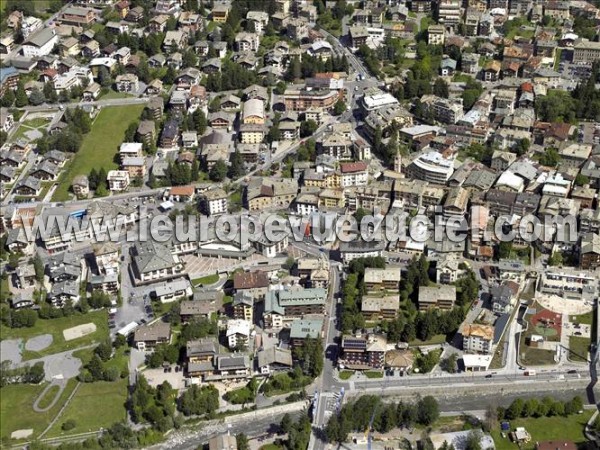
{"type": "Point", "coordinates": [586, 319]}
{"type": "Point", "coordinates": [434, 340]}
{"type": "Point", "coordinates": [579, 347]}
{"type": "Point", "coordinates": [99, 146]}
{"type": "Point", "coordinates": [114, 94]}
{"type": "Point", "coordinates": [374, 374]}
{"type": "Point", "coordinates": [271, 447]}
{"type": "Point", "coordinates": [209, 279]}
{"type": "Point", "coordinates": [94, 406]}
{"type": "Point", "coordinates": [55, 327]}
{"type": "Point", "coordinates": [546, 429]}
{"type": "Point", "coordinates": [16, 402]}
{"type": "Point", "coordinates": [48, 396]}
{"type": "Point", "coordinates": [346, 374]}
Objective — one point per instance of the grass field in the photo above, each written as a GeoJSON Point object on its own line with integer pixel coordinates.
{"type": "Point", "coordinates": [346, 374]}
{"type": "Point", "coordinates": [48, 396]}
{"type": "Point", "coordinates": [586, 319]}
{"type": "Point", "coordinates": [55, 327]}
{"type": "Point", "coordinates": [16, 402]}
{"type": "Point", "coordinates": [374, 374]}
{"type": "Point", "coordinates": [99, 146]}
{"type": "Point", "coordinates": [434, 340]}
{"type": "Point", "coordinates": [546, 429]}
{"type": "Point", "coordinates": [94, 406]}
{"type": "Point", "coordinates": [579, 347]}
{"type": "Point", "coordinates": [113, 94]}
{"type": "Point", "coordinates": [209, 279]}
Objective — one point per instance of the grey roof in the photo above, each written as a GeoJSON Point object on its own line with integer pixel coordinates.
{"type": "Point", "coordinates": [202, 347]}
{"type": "Point", "coordinates": [68, 287]}
{"type": "Point", "coordinates": [274, 355]}
{"type": "Point", "coordinates": [233, 362]}
{"type": "Point", "coordinates": [40, 38]}
{"type": "Point", "coordinates": [151, 256]}
{"type": "Point", "coordinates": [301, 328]}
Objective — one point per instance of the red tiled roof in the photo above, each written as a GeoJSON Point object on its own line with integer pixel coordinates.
{"type": "Point", "coordinates": [250, 280]}
{"type": "Point", "coordinates": [360, 166]}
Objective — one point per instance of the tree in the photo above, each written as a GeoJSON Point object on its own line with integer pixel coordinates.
{"type": "Point", "coordinates": [104, 350]}
{"type": "Point", "coordinates": [550, 157]}
{"type": "Point", "coordinates": [286, 423]}
{"type": "Point", "coordinates": [428, 410]}
{"type": "Point", "coordinates": [451, 363]}
{"type": "Point", "coordinates": [474, 440]}
{"type": "Point", "coordinates": [236, 169]}
{"type": "Point", "coordinates": [440, 88]}
{"type": "Point", "coordinates": [104, 78]}
{"type": "Point", "coordinates": [7, 99]}
{"type": "Point", "coordinates": [36, 97]}
{"type": "Point", "coordinates": [241, 439]}
{"type": "Point", "coordinates": [504, 250]}
{"type": "Point", "coordinates": [200, 121]}
{"type": "Point", "coordinates": [21, 99]}
{"type": "Point", "coordinates": [308, 128]}
{"type": "Point", "coordinates": [38, 265]}
{"type": "Point", "coordinates": [515, 410]}
{"type": "Point", "coordinates": [339, 108]}
{"type": "Point", "coordinates": [218, 172]}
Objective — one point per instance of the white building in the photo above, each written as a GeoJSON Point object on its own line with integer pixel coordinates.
{"type": "Point", "coordinates": [354, 174]}
{"type": "Point", "coordinates": [431, 167]}
{"type": "Point", "coordinates": [40, 44]}
{"type": "Point", "coordinates": [238, 333]}
{"type": "Point", "coordinates": [478, 339]}
{"type": "Point", "coordinates": [118, 180]}
{"type": "Point", "coordinates": [214, 202]}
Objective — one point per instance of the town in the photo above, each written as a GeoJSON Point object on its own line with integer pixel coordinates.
{"type": "Point", "coordinates": [135, 134]}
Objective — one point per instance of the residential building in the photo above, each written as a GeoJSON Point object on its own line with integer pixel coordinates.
{"type": "Point", "coordinates": [273, 359]}
{"type": "Point", "coordinates": [238, 333]}
{"type": "Point", "coordinates": [363, 352]}
{"type": "Point", "coordinates": [440, 297]}
{"type": "Point", "coordinates": [243, 306]}
{"type": "Point", "coordinates": [302, 329]}
{"type": "Point", "coordinates": [127, 83]}
{"type": "Point", "coordinates": [147, 337]}
{"type": "Point", "coordinates": [586, 52]}
{"type": "Point", "coordinates": [375, 308]}
{"type": "Point", "coordinates": [118, 180]}
{"type": "Point", "coordinates": [74, 15]}
{"type": "Point", "coordinates": [478, 339]}
{"type": "Point", "coordinates": [436, 34]}
{"type": "Point", "coordinates": [152, 262]}
{"type": "Point", "coordinates": [40, 44]}
{"type": "Point", "coordinates": [382, 279]}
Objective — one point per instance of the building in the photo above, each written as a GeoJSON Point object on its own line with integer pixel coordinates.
{"type": "Point", "coordinates": [302, 329]}
{"type": "Point", "coordinates": [170, 134]}
{"type": "Point", "coordinates": [127, 83]}
{"type": "Point", "coordinates": [118, 180]}
{"type": "Point", "coordinates": [214, 202]}
{"type": "Point", "coordinates": [255, 283]}
{"type": "Point", "coordinates": [40, 44]}
{"type": "Point", "coordinates": [478, 339]}
{"type": "Point", "coordinates": [254, 112]}
{"type": "Point", "coordinates": [360, 249]}
{"type": "Point", "coordinates": [238, 333]}
{"type": "Point", "coordinates": [382, 279]}
{"type": "Point", "coordinates": [222, 441]}
{"type": "Point", "coordinates": [243, 306]}
{"type": "Point", "coordinates": [431, 167]}
{"type": "Point", "coordinates": [363, 352]}
{"type": "Point", "coordinates": [440, 297]}
{"type": "Point", "coordinates": [589, 253]}
{"type": "Point", "coordinates": [149, 336]}
{"type": "Point", "coordinates": [81, 186]}
{"type": "Point", "coordinates": [173, 290]}
{"type": "Point", "coordinates": [262, 194]}
{"type": "Point", "coordinates": [586, 52]}
{"type": "Point", "coordinates": [303, 99]}
{"type": "Point", "coordinates": [436, 34]}
{"type": "Point", "coordinates": [502, 299]}
{"type": "Point", "coordinates": [375, 308]}
{"type": "Point", "coordinates": [152, 262]}
{"type": "Point", "coordinates": [273, 359]}
{"type": "Point", "coordinates": [73, 15]}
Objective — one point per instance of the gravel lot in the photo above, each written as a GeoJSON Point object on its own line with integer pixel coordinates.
{"type": "Point", "coordinates": [11, 350]}
{"type": "Point", "coordinates": [39, 343]}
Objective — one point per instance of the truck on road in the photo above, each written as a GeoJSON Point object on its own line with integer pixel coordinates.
{"type": "Point", "coordinates": [529, 373]}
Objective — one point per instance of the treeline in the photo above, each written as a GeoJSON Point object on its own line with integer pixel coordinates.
{"type": "Point", "coordinates": [310, 65]}
{"type": "Point", "coordinates": [546, 407]}
{"type": "Point", "coordinates": [582, 103]}
{"type": "Point", "coordinates": [155, 406]}
{"type": "Point", "coordinates": [69, 139]}
{"type": "Point", "coordinates": [97, 369]}
{"type": "Point", "coordinates": [356, 416]}
{"type": "Point", "coordinates": [29, 374]}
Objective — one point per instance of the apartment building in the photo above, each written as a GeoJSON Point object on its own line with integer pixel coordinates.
{"type": "Point", "coordinates": [440, 297]}
{"type": "Point", "coordinates": [363, 352]}
{"type": "Point", "coordinates": [478, 339]}
{"type": "Point", "coordinates": [568, 284]}
{"type": "Point", "coordinates": [382, 279]}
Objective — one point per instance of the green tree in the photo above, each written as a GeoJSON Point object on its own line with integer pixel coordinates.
{"type": "Point", "coordinates": [218, 172]}
{"type": "Point", "coordinates": [339, 108]}
{"type": "Point", "coordinates": [236, 169]}
{"type": "Point", "coordinates": [7, 99]}
{"type": "Point", "coordinates": [200, 121]}
{"type": "Point", "coordinates": [428, 410]}
{"type": "Point", "coordinates": [241, 439]}
{"type": "Point", "coordinates": [440, 88]}
{"type": "Point", "coordinates": [21, 99]}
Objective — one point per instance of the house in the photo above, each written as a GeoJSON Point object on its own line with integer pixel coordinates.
{"type": "Point", "coordinates": [273, 359]}
{"type": "Point", "coordinates": [46, 171]}
{"type": "Point", "coordinates": [173, 290]}
{"type": "Point", "coordinates": [589, 253]}
{"type": "Point", "coordinates": [478, 339]}
{"type": "Point", "coordinates": [91, 92]}
{"type": "Point", "coordinates": [502, 299]}
{"type": "Point", "coordinates": [17, 241]}
{"type": "Point", "coordinates": [222, 441]}
{"type": "Point", "coordinates": [436, 34]}
{"type": "Point", "coordinates": [202, 350]}
{"type": "Point", "coordinates": [29, 187]}
{"type": "Point", "coordinates": [135, 166]}
{"type": "Point", "coordinates": [231, 103]}
{"type": "Point", "coordinates": [243, 306]}
{"type": "Point", "coordinates": [247, 42]}
{"type": "Point", "coordinates": [64, 292]}
{"type": "Point", "coordinates": [181, 193]}
{"type": "Point", "coordinates": [8, 174]}
{"type": "Point", "coordinates": [440, 297]}
{"type": "Point", "coordinates": [220, 12]}
{"type": "Point", "coordinates": [6, 120]}
{"type": "Point", "coordinates": [127, 83]}
{"type": "Point", "coordinates": [238, 333]}
{"type": "Point", "coordinates": [256, 284]}
{"type": "Point", "coordinates": [204, 304]}
{"type": "Point", "coordinates": [170, 134]}
{"type": "Point", "coordinates": [302, 329]}
{"type": "Point", "coordinates": [261, 194]}
{"type": "Point", "coordinates": [189, 77]}
{"type": "Point", "coordinates": [377, 308]}
{"type": "Point", "coordinates": [491, 71]}
{"type": "Point", "coordinates": [146, 337]}
{"type": "Point", "coordinates": [174, 40]}
{"type": "Point", "coordinates": [214, 202]}
{"type": "Point", "coordinates": [212, 65]}
{"type": "Point", "coordinates": [74, 15]}
{"type": "Point", "coordinates": [154, 262]}
{"type": "Point", "coordinates": [253, 112]}
{"type": "Point", "coordinates": [146, 132]}
{"type": "Point", "coordinates": [221, 120]}
{"type": "Point", "coordinates": [118, 180]}
{"type": "Point", "coordinates": [40, 44]}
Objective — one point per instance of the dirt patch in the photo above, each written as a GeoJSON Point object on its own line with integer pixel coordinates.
{"type": "Point", "coordinates": [79, 331]}
{"type": "Point", "coordinates": [10, 350]}
{"type": "Point", "coordinates": [564, 305]}
{"type": "Point", "coordinates": [38, 343]}
{"type": "Point", "coordinates": [21, 434]}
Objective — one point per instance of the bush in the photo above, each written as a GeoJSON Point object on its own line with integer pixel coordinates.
{"type": "Point", "coordinates": [68, 425]}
